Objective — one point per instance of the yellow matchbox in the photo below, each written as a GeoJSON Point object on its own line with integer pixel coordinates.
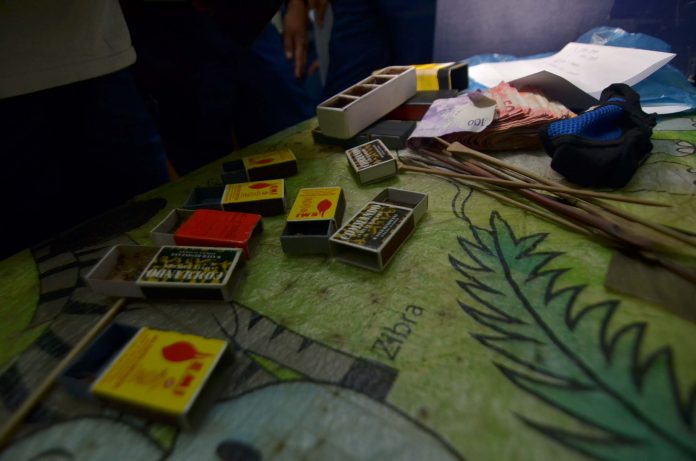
{"type": "Point", "coordinates": [442, 76]}
{"type": "Point", "coordinates": [266, 198]}
{"type": "Point", "coordinates": [165, 375]}
{"type": "Point", "coordinates": [272, 165]}
{"type": "Point", "coordinates": [313, 218]}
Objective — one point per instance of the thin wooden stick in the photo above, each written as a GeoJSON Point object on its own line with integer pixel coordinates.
{"type": "Point", "coordinates": [537, 211]}
{"type": "Point", "coordinates": [590, 205]}
{"type": "Point", "coordinates": [462, 149]}
{"type": "Point", "coordinates": [527, 185]}
{"type": "Point", "coordinates": [28, 405]}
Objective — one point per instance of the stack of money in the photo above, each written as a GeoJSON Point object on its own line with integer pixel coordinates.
{"type": "Point", "coordinates": [518, 117]}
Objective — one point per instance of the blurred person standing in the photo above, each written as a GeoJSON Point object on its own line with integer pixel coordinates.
{"type": "Point", "coordinates": [75, 137]}
{"type": "Point", "coordinates": [370, 34]}
{"type": "Point", "coordinates": [212, 90]}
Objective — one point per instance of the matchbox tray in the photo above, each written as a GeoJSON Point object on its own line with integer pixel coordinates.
{"type": "Point", "coordinates": [313, 218]}
{"type": "Point", "coordinates": [167, 272]}
{"type": "Point", "coordinates": [372, 237]}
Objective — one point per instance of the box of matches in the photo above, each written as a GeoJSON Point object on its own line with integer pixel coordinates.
{"type": "Point", "coordinates": [210, 228]}
{"type": "Point", "coordinates": [313, 218]}
{"type": "Point", "coordinates": [442, 76]}
{"type": "Point", "coordinates": [266, 198]}
{"type": "Point", "coordinates": [172, 272]}
{"type": "Point", "coordinates": [371, 162]}
{"type": "Point", "coordinates": [393, 133]}
{"type": "Point", "coordinates": [373, 235]}
{"type": "Point", "coordinates": [271, 165]}
{"type": "Point", "coordinates": [165, 376]}
{"type": "Point", "coordinates": [354, 109]}
{"type": "Point", "coordinates": [209, 198]}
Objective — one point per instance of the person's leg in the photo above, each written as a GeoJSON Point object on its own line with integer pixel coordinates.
{"type": "Point", "coordinates": [357, 46]}
{"type": "Point", "coordinates": [31, 174]}
{"type": "Point", "coordinates": [118, 152]}
{"type": "Point", "coordinates": [185, 65]}
{"type": "Point", "coordinates": [73, 152]}
{"type": "Point", "coordinates": [270, 97]}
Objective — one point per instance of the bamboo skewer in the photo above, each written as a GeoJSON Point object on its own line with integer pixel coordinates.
{"type": "Point", "coordinates": [675, 234]}
{"type": "Point", "coordinates": [610, 231]}
{"type": "Point", "coordinates": [611, 214]}
{"type": "Point", "coordinates": [12, 425]}
{"type": "Point", "coordinates": [618, 228]}
{"type": "Point", "coordinates": [537, 211]}
{"type": "Point", "coordinates": [460, 148]}
{"type": "Point", "coordinates": [527, 185]}
{"type": "Point", "coordinates": [572, 212]}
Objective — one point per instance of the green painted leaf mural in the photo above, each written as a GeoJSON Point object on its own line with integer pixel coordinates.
{"type": "Point", "coordinates": [561, 352]}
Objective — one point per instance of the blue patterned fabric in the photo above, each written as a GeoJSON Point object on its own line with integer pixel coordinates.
{"type": "Point", "coordinates": [598, 124]}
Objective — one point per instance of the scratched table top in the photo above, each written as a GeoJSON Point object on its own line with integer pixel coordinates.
{"type": "Point", "coordinates": [490, 336]}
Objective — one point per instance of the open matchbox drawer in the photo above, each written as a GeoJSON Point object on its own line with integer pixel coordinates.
{"type": "Point", "coordinates": [354, 109]}
{"type": "Point", "coordinates": [171, 272]}
{"type": "Point", "coordinates": [210, 228]}
{"type": "Point", "coordinates": [165, 376]}
{"type": "Point", "coordinates": [313, 219]}
{"type": "Point", "coordinates": [374, 234]}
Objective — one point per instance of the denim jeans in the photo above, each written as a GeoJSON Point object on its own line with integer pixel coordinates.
{"type": "Point", "coordinates": [370, 34]}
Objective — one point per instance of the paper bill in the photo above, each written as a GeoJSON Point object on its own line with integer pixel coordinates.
{"type": "Point", "coordinates": [472, 112]}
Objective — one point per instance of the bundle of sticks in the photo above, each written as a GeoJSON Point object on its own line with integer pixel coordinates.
{"type": "Point", "coordinates": [581, 210]}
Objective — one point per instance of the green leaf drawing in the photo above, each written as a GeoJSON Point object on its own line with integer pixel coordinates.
{"type": "Point", "coordinates": [564, 355]}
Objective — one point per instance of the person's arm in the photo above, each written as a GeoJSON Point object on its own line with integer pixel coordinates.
{"type": "Point", "coordinates": [295, 35]}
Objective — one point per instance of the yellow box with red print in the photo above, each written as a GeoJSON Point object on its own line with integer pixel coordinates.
{"type": "Point", "coordinates": [164, 376]}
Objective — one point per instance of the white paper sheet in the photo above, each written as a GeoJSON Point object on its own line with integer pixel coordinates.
{"type": "Point", "coordinates": [589, 67]}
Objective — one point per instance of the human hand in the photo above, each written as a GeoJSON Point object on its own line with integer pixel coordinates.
{"type": "Point", "coordinates": [320, 7]}
{"type": "Point", "coordinates": [295, 35]}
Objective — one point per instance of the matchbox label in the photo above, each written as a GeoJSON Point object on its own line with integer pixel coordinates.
{"type": "Point", "coordinates": [160, 370]}
{"type": "Point", "coordinates": [270, 158]}
{"type": "Point", "coordinates": [253, 191]}
{"type": "Point", "coordinates": [195, 266]}
{"type": "Point", "coordinates": [315, 203]}
{"type": "Point", "coordinates": [368, 155]}
{"type": "Point", "coordinates": [373, 226]}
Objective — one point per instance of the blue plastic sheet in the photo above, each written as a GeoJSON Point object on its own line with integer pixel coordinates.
{"type": "Point", "coordinates": [667, 86]}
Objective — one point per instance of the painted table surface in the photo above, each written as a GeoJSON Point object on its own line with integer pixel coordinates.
{"type": "Point", "coordinates": [490, 336]}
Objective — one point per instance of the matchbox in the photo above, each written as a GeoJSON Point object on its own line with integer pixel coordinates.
{"type": "Point", "coordinates": [315, 215]}
{"type": "Point", "coordinates": [442, 76]}
{"type": "Point", "coordinates": [354, 109]}
{"type": "Point", "coordinates": [416, 201]}
{"type": "Point", "coordinates": [211, 228]}
{"type": "Point", "coordinates": [371, 162]}
{"type": "Point", "coordinates": [374, 234]}
{"type": "Point", "coordinates": [393, 133]}
{"type": "Point", "coordinates": [167, 272]}
{"type": "Point", "coordinates": [270, 165]}
{"type": "Point", "coordinates": [165, 376]}
{"type": "Point", "coordinates": [266, 198]}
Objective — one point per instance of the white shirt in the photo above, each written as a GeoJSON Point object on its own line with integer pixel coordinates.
{"type": "Point", "coordinates": [50, 43]}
